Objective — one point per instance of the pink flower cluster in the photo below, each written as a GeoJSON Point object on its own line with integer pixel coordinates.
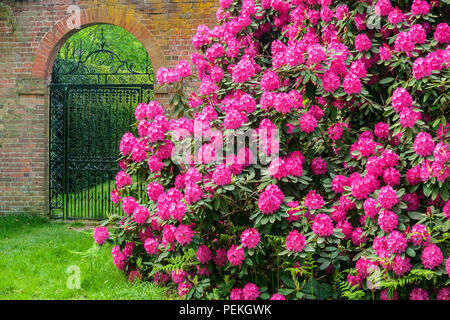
{"type": "Point", "coordinates": [170, 75]}
{"type": "Point", "coordinates": [270, 199]}
{"type": "Point", "coordinates": [100, 235]}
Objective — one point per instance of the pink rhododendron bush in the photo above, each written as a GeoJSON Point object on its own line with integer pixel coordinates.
{"type": "Point", "coordinates": [312, 162]}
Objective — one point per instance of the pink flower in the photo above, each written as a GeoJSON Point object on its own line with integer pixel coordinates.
{"type": "Point", "coordinates": [354, 280]}
{"type": "Point", "coordinates": [391, 176]}
{"type": "Point", "coordinates": [442, 33]}
{"type": "Point", "coordinates": [225, 3]}
{"type": "Point", "coordinates": [423, 144]}
{"type": "Point", "coordinates": [413, 201]}
{"type": "Point", "coordinates": [192, 193]}
{"type": "Point", "coordinates": [357, 237]}
{"type": "Point", "coordinates": [352, 84]}
{"type": "Point", "coordinates": [243, 70]}
{"type": "Point", "coordinates": [316, 54]}
{"type": "Point", "coordinates": [233, 119]}
{"type": "Point", "coordinates": [184, 234]}
{"type": "Point", "coordinates": [419, 294]}
{"type": "Point", "coordinates": [446, 209]}
{"type": "Point", "coordinates": [318, 166]}
{"type": "Point", "coordinates": [385, 52]}
{"type": "Point", "coordinates": [380, 247]}
{"type": "Point", "coordinates": [383, 7]}
{"type": "Point", "coordinates": [178, 276]}
{"type": "Point", "coordinates": [401, 99]}
{"type": "Point", "coordinates": [387, 220]}
{"type": "Point", "coordinates": [294, 208]}
{"type": "Point", "coordinates": [270, 199]}
{"type": "Point", "coordinates": [322, 226]}
{"type": "Point", "coordinates": [359, 188]}
{"type": "Point", "coordinates": [204, 254]}
{"type": "Point", "coordinates": [100, 235]}
{"type": "Point", "coordinates": [269, 81]}
{"type": "Point", "coordinates": [419, 235]}
{"type": "Point", "coordinates": [342, 12]}
{"type": "Point", "coordinates": [295, 241]}
{"type": "Point", "coordinates": [154, 164]}
{"type": "Point", "coordinates": [233, 164]}
{"type": "Point", "coordinates": [128, 250]}
{"type": "Point", "coordinates": [277, 168]}
{"type": "Point", "coordinates": [335, 131]}
{"type": "Point", "coordinates": [346, 228]}
{"type": "Point", "coordinates": [401, 265]}
{"type": "Point", "coordinates": [184, 288]}
{"type": "Point", "coordinates": [314, 200]}
{"type": "Point", "coordinates": [403, 42]}
{"type": "Point", "coordinates": [118, 258]}
{"type": "Point", "coordinates": [115, 196]}
{"type": "Point", "coordinates": [413, 175]}
{"type": "Point", "coordinates": [250, 292]}
{"type": "Point", "coordinates": [216, 74]}
{"type": "Point", "coordinates": [128, 205]}
{"type": "Point", "coordinates": [362, 43]}
{"type": "Point", "coordinates": [127, 143]}
{"type": "Point", "coordinates": [151, 245]}
{"type": "Point", "coordinates": [237, 294]}
{"type": "Point", "coordinates": [381, 130]}
{"type": "Point", "coordinates": [168, 234]}
{"type": "Point", "coordinates": [417, 34]}
{"type": "Point", "coordinates": [420, 7]}
{"type": "Point", "coordinates": [408, 117]}
{"type": "Point", "coordinates": [370, 207]}
{"type": "Point", "coordinates": [396, 242]}
{"type": "Point", "coordinates": [220, 259]}
{"type": "Point", "coordinates": [235, 255]}
{"type": "Point", "coordinates": [395, 16]}
{"type": "Point", "coordinates": [387, 197]}
{"type": "Point", "coordinates": [221, 175]}
{"type": "Point", "coordinates": [154, 190]}
{"type": "Point", "coordinates": [140, 214]}
{"type": "Point", "coordinates": [443, 294]}
{"type": "Point", "coordinates": [421, 68]}
{"type": "Point", "coordinates": [122, 179]}
{"type": "Point", "coordinates": [431, 256]}
{"type": "Point", "coordinates": [277, 296]}
{"type": "Point", "coordinates": [245, 157]}
{"type": "Point", "coordinates": [250, 238]}
{"type": "Point", "coordinates": [339, 182]}
{"type": "Point", "coordinates": [330, 81]}
{"type": "Point", "coordinates": [308, 123]}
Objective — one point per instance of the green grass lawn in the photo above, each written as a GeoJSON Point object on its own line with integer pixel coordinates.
{"type": "Point", "coordinates": [35, 254]}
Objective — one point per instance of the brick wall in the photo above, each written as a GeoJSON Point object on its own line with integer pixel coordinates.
{"type": "Point", "coordinates": [164, 28]}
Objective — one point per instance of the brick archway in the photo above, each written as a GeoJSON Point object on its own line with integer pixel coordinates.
{"type": "Point", "coordinates": [54, 39]}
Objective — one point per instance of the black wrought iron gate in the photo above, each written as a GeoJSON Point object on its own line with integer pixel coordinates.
{"type": "Point", "coordinates": [87, 121]}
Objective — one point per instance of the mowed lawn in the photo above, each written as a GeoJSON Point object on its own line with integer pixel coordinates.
{"type": "Point", "coordinates": [38, 257]}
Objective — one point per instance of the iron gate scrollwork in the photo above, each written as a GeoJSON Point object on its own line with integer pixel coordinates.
{"type": "Point", "coordinates": [92, 103]}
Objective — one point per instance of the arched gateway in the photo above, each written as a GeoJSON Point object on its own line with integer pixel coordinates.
{"type": "Point", "coordinates": [93, 94]}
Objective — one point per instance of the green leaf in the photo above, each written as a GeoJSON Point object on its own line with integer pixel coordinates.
{"type": "Point", "coordinates": [416, 215]}
{"type": "Point", "coordinates": [426, 191]}
{"type": "Point", "coordinates": [216, 204]}
{"type": "Point", "coordinates": [386, 80]}
{"type": "Point", "coordinates": [325, 265]}
{"type": "Point", "coordinates": [410, 252]}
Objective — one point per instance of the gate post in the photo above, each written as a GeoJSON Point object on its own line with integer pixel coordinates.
{"type": "Point", "coordinates": [32, 93]}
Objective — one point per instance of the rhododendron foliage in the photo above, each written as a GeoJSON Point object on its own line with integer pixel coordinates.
{"type": "Point", "coordinates": [311, 159]}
